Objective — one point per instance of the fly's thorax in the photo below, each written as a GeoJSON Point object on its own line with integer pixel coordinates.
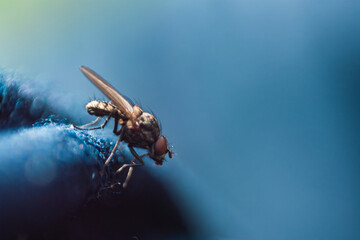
{"type": "Point", "coordinates": [149, 122]}
{"type": "Point", "coordinates": [99, 108]}
{"type": "Point", "coordinates": [146, 134]}
{"type": "Point", "coordinates": [137, 111]}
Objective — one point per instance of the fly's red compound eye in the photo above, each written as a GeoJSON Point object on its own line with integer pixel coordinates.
{"type": "Point", "coordinates": [161, 146]}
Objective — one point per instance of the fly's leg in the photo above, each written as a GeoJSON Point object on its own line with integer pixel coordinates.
{"type": "Point", "coordinates": [96, 121]}
{"type": "Point", "coordinates": [120, 133]}
{"type": "Point", "coordinates": [115, 131]}
{"type": "Point", "coordinates": [111, 155]}
{"type": "Point", "coordinates": [90, 124]}
{"type": "Point", "coordinates": [131, 165]}
{"type": "Point", "coordinates": [131, 171]}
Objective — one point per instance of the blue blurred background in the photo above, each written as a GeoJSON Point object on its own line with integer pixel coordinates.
{"type": "Point", "coordinates": [259, 98]}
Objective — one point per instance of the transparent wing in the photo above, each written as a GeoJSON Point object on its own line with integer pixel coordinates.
{"type": "Point", "coordinates": [115, 97]}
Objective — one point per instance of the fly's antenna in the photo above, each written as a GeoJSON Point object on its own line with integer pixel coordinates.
{"type": "Point", "coordinates": [171, 152]}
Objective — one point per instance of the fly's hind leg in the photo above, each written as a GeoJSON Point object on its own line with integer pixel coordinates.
{"type": "Point", "coordinates": [93, 123]}
{"type": "Point", "coordinates": [96, 121]}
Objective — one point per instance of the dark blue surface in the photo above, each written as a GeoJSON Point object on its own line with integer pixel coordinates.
{"type": "Point", "coordinates": [50, 187]}
{"type": "Point", "coordinates": [46, 173]}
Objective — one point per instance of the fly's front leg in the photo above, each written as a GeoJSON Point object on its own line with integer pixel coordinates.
{"type": "Point", "coordinates": [131, 168]}
{"type": "Point", "coordinates": [131, 165]}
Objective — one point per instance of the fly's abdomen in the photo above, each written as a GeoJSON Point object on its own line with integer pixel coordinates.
{"type": "Point", "coordinates": [100, 109]}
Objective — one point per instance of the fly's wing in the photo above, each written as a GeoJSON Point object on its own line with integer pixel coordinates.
{"type": "Point", "coordinates": [115, 97]}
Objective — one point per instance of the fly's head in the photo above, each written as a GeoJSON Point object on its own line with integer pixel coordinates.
{"type": "Point", "coordinates": [159, 149]}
